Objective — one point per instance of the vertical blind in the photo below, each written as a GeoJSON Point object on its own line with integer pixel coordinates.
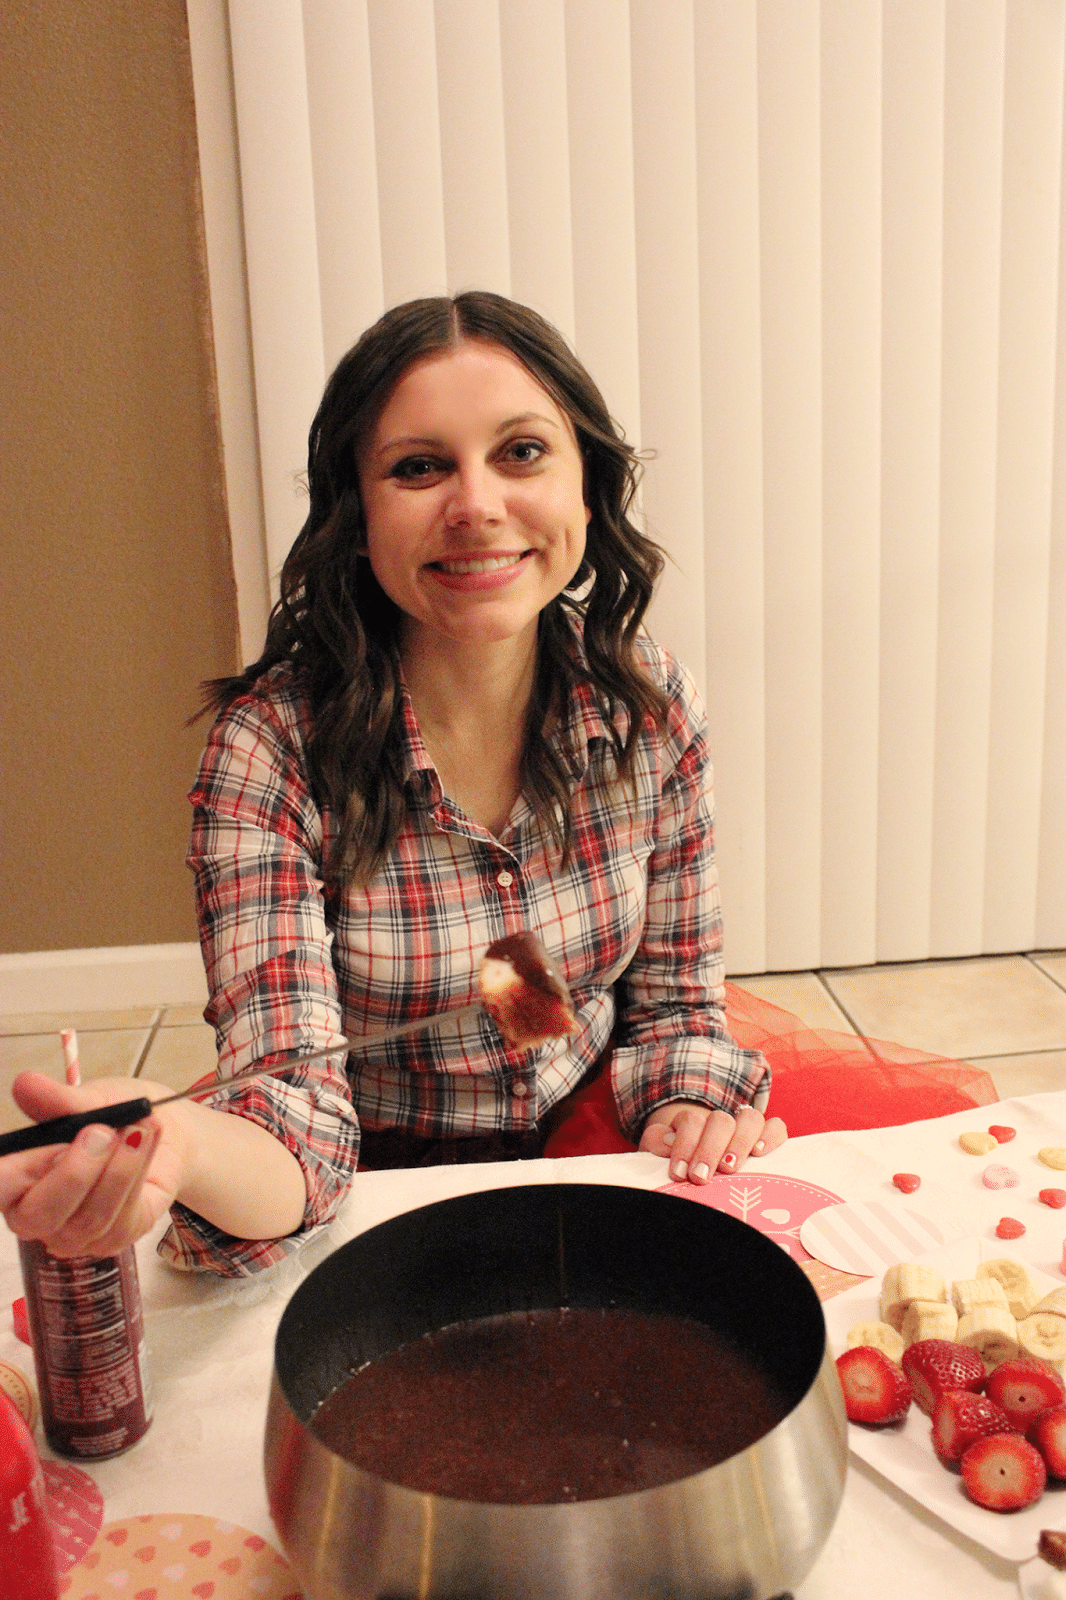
{"type": "Point", "coordinates": [812, 251]}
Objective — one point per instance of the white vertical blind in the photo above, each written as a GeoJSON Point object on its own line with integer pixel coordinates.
{"type": "Point", "coordinates": [812, 250]}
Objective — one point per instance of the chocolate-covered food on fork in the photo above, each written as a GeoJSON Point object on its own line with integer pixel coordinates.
{"type": "Point", "coordinates": [523, 992]}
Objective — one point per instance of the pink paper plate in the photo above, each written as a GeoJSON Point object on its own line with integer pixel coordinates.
{"type": "Point", "coordinates": [776, 1206]}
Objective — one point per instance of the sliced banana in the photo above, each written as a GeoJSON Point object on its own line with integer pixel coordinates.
{"type": "Point", "coordinates": [881, 1336]}
{"type": "Point", "coordinates": [991, 1331]}
{"type": "Point", "coordinates": [908, 1281]}
{"type": "Point", "coordinates": [1022, 1293]}
{"type": "Point", "coordinates": [929, 1319]}
{"type": "Point", "coordinates": [1055, 1302]}
{"type": "Point", "coordinates": [968, 1294]}
{"type": "Point", "coordinates": [1043, 1334]}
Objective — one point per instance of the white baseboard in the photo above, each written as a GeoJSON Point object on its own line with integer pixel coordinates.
{"type": "Point", "coordinates": [108, 979]}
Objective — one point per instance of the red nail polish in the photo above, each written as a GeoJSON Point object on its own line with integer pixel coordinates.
{"type": "Point", "coordinates": [134, 1137]}
{"type": "Point", "coordinates": [728, 1162]}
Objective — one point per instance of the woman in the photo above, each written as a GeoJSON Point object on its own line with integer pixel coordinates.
{"type": "Point", "coordinates": [456, 730]}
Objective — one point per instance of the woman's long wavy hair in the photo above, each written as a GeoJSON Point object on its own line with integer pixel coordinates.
{"type": "Point", "coordinates": [341, 632]}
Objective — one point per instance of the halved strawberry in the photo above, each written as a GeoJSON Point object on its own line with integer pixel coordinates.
{"type": "Point", "coordinates": [1048, 1434]}
{"type": "Point", "coordinates": [1003, 1473]}
{"type": "Point", "coordinates": [1025, 1388]}
{"type": "Point", "coordinates": [936, 1365]}
{"type": "Point", "coordinates": [875, 1389]}
{"type": "Point", "coordinates": [960, 1418]}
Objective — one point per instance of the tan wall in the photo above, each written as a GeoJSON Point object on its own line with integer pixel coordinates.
{"type": "Point", "coordinates": [117, 593]}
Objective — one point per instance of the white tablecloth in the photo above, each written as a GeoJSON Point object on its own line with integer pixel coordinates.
{"type": "Point", "coordinates": [211, 1342]}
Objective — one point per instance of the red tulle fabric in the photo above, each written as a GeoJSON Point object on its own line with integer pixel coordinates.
{"type": "Point", "coordinates": [822, 1082]}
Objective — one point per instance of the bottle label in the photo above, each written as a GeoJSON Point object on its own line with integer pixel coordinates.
{"type": "Point", "coordinates": [87, 1328]}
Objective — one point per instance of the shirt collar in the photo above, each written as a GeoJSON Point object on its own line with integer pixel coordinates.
{"type": "Point", "coordinates": [583, 726]}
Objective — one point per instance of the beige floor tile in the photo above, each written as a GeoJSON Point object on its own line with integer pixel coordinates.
{"type": "Point", "coordinates": [83, 1021]}
{"type": "Point", "coordinates": [989, 1006]}
{"type": "Point", "coordinates": [102, 1055]}
{"type": "Point", "coordinates": [183, 1016]}
{"type": "Point", "coordinates": [1039, 1073]}
{"type": "Point", "coordinates": [181, 1055]}
{"type": "Point", "coordinates": [1053, 962]}
{"type": "Point", "coordinates": [803, 995]}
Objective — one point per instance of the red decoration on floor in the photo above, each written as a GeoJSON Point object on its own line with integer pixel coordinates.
{"type": "Point", "coordinates": [822, 1082]}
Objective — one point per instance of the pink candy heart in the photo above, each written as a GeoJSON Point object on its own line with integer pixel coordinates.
{"type": "Point", "coordinates": [1000, 1177]}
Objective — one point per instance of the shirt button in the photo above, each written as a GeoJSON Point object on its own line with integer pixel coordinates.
{"type": "Point", "coordinates": [504, 879]}
{"type": "Point", "coordinates": [520, 1090]}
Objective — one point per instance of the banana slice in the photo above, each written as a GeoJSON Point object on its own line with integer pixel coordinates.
{"type": "Point", "coordinates": [968, 1294]}
{"type": "Point", "coordinates": [1043, 1334]}
{"type": "Point", "coordinates": [929, 1319]}
{"type": "Point", "coordinates": [1054, 1302]}
{"type": "Point", "coordinates": [1022, 1293]}
{"type": "Point", "coordinates": [908, 1281]}
{"type": "Point", "coordinates": [991, 1331]}
{"type": "Point", "coordinates": [881, 1336]}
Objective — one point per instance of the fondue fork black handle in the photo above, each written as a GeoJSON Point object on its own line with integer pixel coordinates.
{"type": "Point", "coordinates": [61, 1130]}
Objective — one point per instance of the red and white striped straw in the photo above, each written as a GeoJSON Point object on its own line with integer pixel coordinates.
{"type": "Point", "coordinates": [70, 1056]}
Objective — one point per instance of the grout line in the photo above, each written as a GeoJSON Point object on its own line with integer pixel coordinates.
{"type": "Point", "coordinates": [1045, 974]}
{"type": "Point", "coordinates": [149, 1041]}
{"type": "Point", "coordinates": [841, 1007]}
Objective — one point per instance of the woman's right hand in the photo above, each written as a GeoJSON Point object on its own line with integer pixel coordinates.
{"type": "Point", "coordinates": [107, 1188]}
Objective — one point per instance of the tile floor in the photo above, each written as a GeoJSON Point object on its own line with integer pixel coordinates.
{"type": "Point", "coordinates": [1006, 1012]}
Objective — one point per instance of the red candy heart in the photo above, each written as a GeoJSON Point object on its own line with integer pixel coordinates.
{"type": "Point", "coordinates": [1002, 1134]}
{"type": "Point", "coordinates": [907, 1182]}
{"type": "Point", "coordinates": [1009, 1228]}
{"type": "Point", "coordinates": [1055, 1198]}
{"type": "Point", "coordinates": [201, 1547]}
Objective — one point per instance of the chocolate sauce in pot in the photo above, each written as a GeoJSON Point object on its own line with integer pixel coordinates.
{"type": "Point", "coordinates": [539, 1407]}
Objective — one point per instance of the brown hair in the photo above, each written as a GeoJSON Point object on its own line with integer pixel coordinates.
{"type": "Point", "coordinates": [340, 631]}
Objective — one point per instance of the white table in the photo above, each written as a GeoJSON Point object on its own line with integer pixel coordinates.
{"type": "Point", "coordinates": [211, 1345]}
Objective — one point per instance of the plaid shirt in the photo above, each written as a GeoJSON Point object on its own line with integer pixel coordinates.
{"type": "Point", "coordinates": [633, 923]}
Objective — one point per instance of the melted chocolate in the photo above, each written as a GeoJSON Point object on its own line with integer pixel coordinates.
{"type": "Point", "coordinates": [533, 1005]}
{"type": "Point", "coordinates": [538, 1407]}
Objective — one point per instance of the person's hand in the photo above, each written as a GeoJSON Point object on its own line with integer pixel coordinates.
{"type": "Point", "coordinates": [700, 1143]}
{"type": "Point", "coordinates": [111, 1185]}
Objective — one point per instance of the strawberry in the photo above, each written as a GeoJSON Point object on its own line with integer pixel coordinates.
{"type": "Point", "coordinates": [936, 1365]}
{"type": "Point", "coordinates": [1052, 1547]}
{"type": "Point", "coordinates": [1055, 1198]}
{"type": "Point", "coordinates": [1003, 1472]}
{"type": "Point", "coordinates": [875, 1389]}
{"type": "Point", "coordinates": [1048, 1434]}
{"type": "Point", "coordinates": [960, 1418]}
{"type": "Point", "coordinates": [1002, 1134]}
{"type": "Point", "coordinates": [1025, 1388]}
{"type": "Point", "coordinates": [906, 1182]}
{"type": "Point", "coordinates": [1009, 1228]}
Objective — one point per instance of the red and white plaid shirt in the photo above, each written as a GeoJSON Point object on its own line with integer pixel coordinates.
{"type": "Point", "coordinates": [633, 923]}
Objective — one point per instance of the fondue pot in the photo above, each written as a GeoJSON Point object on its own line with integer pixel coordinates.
{"type": "Point", "coordinates": [749, 1528]}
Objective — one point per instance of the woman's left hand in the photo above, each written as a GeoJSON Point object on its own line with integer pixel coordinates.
{"type": "Point", "coordinates": [700, 1143]}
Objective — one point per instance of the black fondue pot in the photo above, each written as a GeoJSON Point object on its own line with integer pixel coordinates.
{"type": "Point", "coordinates": [749, 1528]}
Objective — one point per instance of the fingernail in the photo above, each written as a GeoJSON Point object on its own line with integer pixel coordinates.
{"type": "Point", "coordinates": [758, 1147]}
{"type": "Point", "coordinates": [668, 1137]}
{"type": "Point", "coordinates": [701, 1170]}
{"type": "Point", "coordinates": [728, 1162]}
{"type": "Point", "coordinates": [134, 1137]}
{"type": "Point", "coordinates": [680, 1171]}
{"type": "Point", "coordinates": [96, 1140]}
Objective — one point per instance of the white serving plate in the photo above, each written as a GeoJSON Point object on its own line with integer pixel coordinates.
{"type": "Point", "coordinates": [904, 1454]}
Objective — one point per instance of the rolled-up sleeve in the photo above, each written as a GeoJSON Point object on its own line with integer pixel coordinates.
{"type": "Point", "coordinates": [673, 1042]}
{"type": "Point", "coordinates": [256, 858]}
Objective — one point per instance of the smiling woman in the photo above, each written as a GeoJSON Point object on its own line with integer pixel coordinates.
{"type": "Point", "coordinates": [457, 732]}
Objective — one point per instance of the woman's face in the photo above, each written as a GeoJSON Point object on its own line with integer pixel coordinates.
{"type": "Point", "coordinates": [472, 488]}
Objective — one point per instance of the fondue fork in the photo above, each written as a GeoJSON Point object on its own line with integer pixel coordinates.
{"type": "Point", "coordinates": [61, 1130]}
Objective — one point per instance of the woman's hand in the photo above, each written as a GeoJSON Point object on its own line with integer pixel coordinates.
{"type": "Point", "coordinates": [700, 1143]}
{"type": "Point", "coordinates": [107, 1188]}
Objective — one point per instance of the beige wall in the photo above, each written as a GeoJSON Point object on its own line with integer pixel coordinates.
{"type": "Point", "coordinates": [117, 594]}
